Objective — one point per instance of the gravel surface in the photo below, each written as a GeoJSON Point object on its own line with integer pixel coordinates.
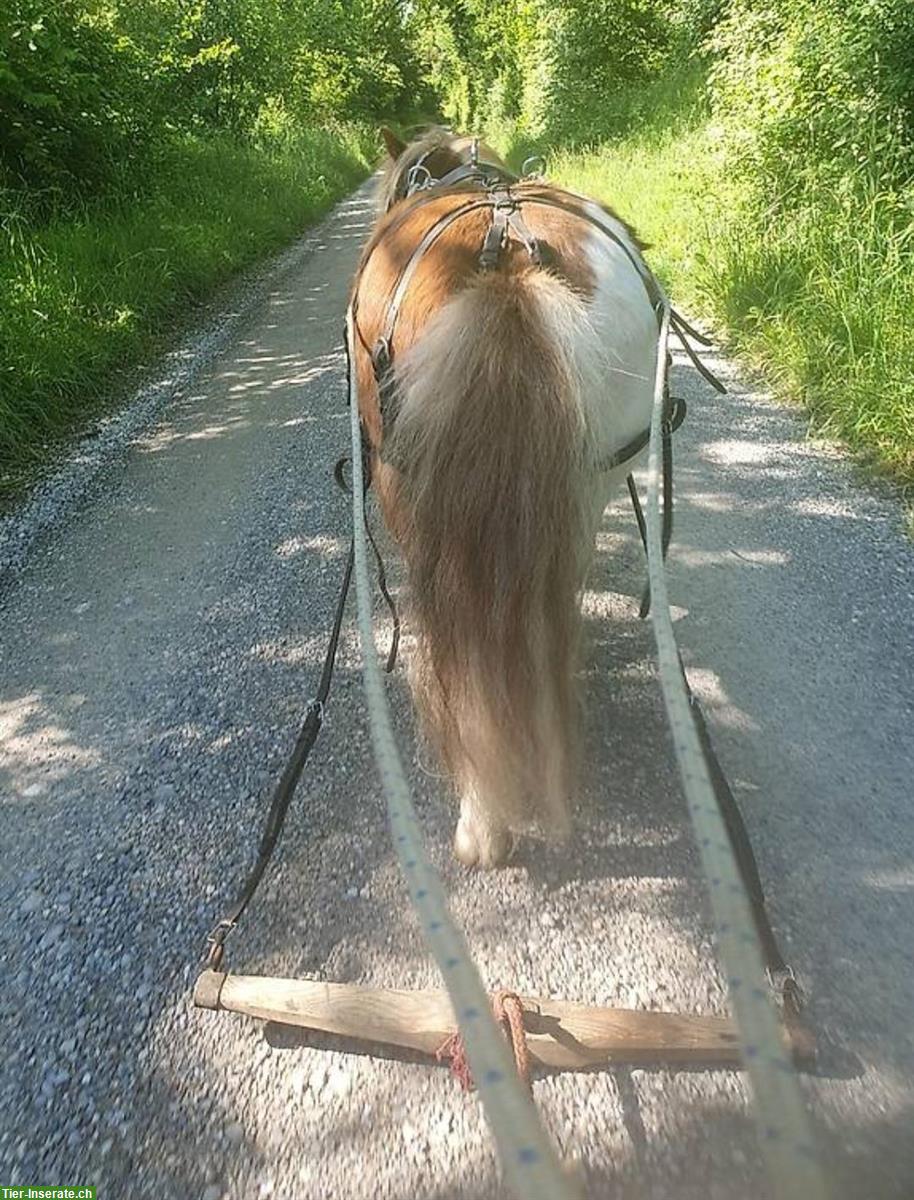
{"type": "Point", "coordinates": [160, 639]}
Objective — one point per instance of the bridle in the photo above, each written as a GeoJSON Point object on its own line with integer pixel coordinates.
{"type": "Point", "coordinates": [418, 178]}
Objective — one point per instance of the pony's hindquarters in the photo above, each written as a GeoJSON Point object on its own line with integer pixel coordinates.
{"type": "Point", "coordinates": [491, 444]}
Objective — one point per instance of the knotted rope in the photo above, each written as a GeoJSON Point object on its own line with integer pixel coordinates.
{"type": "Point", "coordinates": [509, 1013]}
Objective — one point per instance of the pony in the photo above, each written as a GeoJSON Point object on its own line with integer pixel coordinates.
{"type": "Point", "coordinates": [502, 401]}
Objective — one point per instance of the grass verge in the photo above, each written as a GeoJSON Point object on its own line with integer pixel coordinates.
{"type": "Point", "coordinates": [83, 298]}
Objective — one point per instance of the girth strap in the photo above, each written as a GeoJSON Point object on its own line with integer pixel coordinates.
{"type": "Point", "coordinates": [677, 414]}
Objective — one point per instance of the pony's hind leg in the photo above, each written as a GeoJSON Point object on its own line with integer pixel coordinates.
{"type": "Point", "coordinates": [482, 839]}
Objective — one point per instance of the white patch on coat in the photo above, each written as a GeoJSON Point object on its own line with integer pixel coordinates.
{"type": "Point", "coordinates": [609, 344]}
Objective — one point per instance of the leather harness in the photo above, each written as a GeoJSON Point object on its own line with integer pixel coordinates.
{"type": "Point", "coordinates": [495, 183]}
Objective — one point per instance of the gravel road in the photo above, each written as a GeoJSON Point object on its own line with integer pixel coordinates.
{"type": "Point", "coordinates": [161, 627]}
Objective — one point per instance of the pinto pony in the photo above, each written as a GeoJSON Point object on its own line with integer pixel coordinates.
{"type": "Point", "coordinates": [503, 396]}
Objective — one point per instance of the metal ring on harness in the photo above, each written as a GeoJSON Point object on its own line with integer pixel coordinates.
{"type": "Point", "coordinates": [418, 179]}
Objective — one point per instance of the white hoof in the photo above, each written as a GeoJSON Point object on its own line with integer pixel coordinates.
{"type": "Point", "coordinates": [484, 846]}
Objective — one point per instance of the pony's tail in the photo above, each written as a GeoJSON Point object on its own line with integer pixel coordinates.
{"type": "Point", "coordinates": [488, 444]}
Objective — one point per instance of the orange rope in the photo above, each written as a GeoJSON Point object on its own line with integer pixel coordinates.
{"type": "Point", "coordinates": [509, 1012]}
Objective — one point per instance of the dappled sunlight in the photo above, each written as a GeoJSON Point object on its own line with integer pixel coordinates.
{"type": "Point", "coordinates": [212, 431]}
{"type": "Point", "coordinates": [762, 558]}
{"type": "Point", "coordinates": [295, 422]}
{"type": "Point", "coordinates": [739, 453]}
{"type": "Point", "coordinates": [271, 381]}
{"type": "Point", "coordinates": [36, 750]}
{"type": "Point", "coordinates": [259, 388]}
{"type": "Point", "coordinates": [161, 649]}
{"type": "Point", "coordinates": [328, 548]}
{"type": "Point", "coordinates": [716, 502]}
{"type": "Point", "coordinates": [826, 506]}
{"type": "Point", "coordinates": [63, 638]}
{"type": "Point", "coordinates": [635, 833]}
{"type": "Point", "coordinates": [609, 542]}
{"type": "Point", "coordinates": [894, 879]}
{"type": "Point", "coordinates": [710, 690]}
{"type": "Point", "coordinates": [396, 1112]}
{"type": "Point", "coordinates": [306, 652]}
{"type": "Point", "coordinates": [596, 605]}
{"type": "Point", "coordinates": [687, 556]}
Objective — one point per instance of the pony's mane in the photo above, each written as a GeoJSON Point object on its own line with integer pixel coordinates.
{"type": "Point", "coordinates": [436, 138]}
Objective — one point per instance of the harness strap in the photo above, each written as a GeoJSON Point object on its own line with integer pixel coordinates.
{"type": "Point", "coordinates": [497, 233]}
{"type": "Point", "coordinates": [478, 172]}
{"type": "Point", "coordinates": [636, 445]}
{"type": "Point", "coordinates": [419, 179]}
{"type": "Point", "coordinates": [780, 974]}
{"type": "Point", "coordinates": [406, 275]}
{"type": "Point", "coordinates": [339, 476]}
{"type": "Point", "coordinates": [518, 227]}
{"type": "Point", "coordinates": [311, 726]}
{"type": "Point", "coordinates": [680, 327]}
{"type": "Point", "coordinates": [506, 217]}
{"type": "Point", "coordinates": [285, 789]}
{"type": "Point", "coordinates": [550, 200]}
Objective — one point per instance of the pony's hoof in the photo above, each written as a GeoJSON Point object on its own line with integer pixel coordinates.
{"type": "Point", "coordinates": [485, 849]}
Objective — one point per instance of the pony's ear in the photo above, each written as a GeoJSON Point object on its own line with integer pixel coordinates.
{"type": "Point", "coordinates": [394, 145]}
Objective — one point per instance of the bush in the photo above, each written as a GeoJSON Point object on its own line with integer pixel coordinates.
{"type": "Point", "coordinates": [605, 50]}
{"type": "Point", "coordinates": [71, 114]}
{"type": "Point", "coordinates": [814, 93]}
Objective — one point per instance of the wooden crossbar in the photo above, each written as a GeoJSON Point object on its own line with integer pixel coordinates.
{"type": "Point", "coordinates": [559, 1033]}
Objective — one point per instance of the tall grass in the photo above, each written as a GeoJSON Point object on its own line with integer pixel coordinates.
{"type": "Point", "coordinates": [86, 296]}
{"type": "Point", "coordinates": [819, 295]}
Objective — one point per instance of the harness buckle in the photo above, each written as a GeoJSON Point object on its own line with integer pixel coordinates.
{"type": "Point", "coordinates": [215, 939]}
{"type": "Point", "coordinates": [676, 414]}
{"type": "Point", "coordinates": [380, 356]}
{"type": "Point", "coordinates": [381, 359]}
{"type": "Point", "coordinates": [503, 202]}
{"type": "Point", "coordinates": [784, 982]}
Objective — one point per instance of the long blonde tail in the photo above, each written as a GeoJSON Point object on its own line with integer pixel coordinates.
{"type": "Point", "coordinates": [488, 441]}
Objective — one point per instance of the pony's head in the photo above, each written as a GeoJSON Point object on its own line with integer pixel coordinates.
{"type": "Point", "coordinates": [436, 152]}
